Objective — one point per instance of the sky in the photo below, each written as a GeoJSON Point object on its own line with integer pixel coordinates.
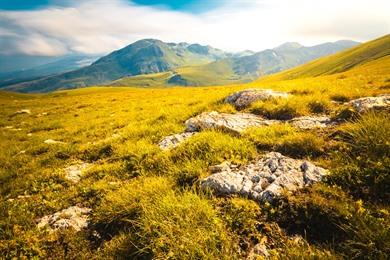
{"type": "Point", "coordinates": [60, 27]}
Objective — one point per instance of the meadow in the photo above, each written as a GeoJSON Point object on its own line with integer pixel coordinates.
{"type": "Point", "coordinates": [146, 203]}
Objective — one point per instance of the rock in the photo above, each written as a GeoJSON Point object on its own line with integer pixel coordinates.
{"type": "Point", "coordinates": [235, 123]}
{"type": "Point", "coordinates": [74, 172]}
{"type": "Point", "coordinates": [259, 251]}
{"type": "Point", "coordinates": [371, 103]}
{"type": "Point", "coordinates": [23, 111]}
{"type": "Point", "coordinates": [42, 114]}
{"type": "Point", "coordinates": [244, 98]}
{"type": "Point", "coordinates": [265, 178]}
{"type": "Point", "coordinates": [73, 217]}
{"type": "Point", "coordinates": [311, 122]}
{"type": "Point", "coordinates": [51, 141]}
{"type": "Point", "coordinates": [173, 141]}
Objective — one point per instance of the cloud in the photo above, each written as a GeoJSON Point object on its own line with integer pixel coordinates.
{"type": "Point", "coordinates": [98, 27]}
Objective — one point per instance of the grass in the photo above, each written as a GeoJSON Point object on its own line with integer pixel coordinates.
{"type": "Point", "coordinates": [147, 203]}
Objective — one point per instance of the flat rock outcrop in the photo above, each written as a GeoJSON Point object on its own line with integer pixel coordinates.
{"type": "Point", "coordinates": [75, 171]}
{"type": "Point", "coordinates": [244, 98]}
{"type": "Point", "coordinates": [371, 103]}
{"type": "Point", "coordinates": [311, 122]}
{"type": "Point", "coordinates": [173, 141]}
{"type": "Point", "coordinates": [235, 123]}
{"type": "Point", "coordinates": [72, 217]}
{"type": "Point", "coordinates": [264, 179]}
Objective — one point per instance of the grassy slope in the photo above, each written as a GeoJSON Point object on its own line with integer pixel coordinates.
{"type": "Point", "coordinates": [340, 62]}
{"type": "Point", "coordinates": [133, 186]}
{"type": "Point", "coordinates": [215, 73]}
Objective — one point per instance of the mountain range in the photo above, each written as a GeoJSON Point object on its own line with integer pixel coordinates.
{"type": "Point", "coordinates": [152, 62]}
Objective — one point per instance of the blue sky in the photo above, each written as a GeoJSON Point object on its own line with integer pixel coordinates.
{"type": "Point", "coordinates": [193, 6]}
{"type": "Point", "coordinates": [101, 26]}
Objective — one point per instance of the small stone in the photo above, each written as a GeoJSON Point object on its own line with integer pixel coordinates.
{"type": "Point", "coordinates": [72, 217]}
{"type": "Point", "coordinates": [23, 111]}
{"type": "Point", "coordinates": [173, 141]}
{"type": "Point", "coordinates": [74, 172]}
{"type": "Point", "coordinates": [311, 122]}
{"type": "Point", "coordinates": [51, 141]}
{"type": "Point", "coordinates": [259, 250]}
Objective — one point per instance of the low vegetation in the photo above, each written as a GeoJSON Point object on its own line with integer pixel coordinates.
{"type": "Point", "coordinates": [146, 203]}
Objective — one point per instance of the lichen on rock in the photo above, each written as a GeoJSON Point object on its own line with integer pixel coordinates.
{"type": "Point", "coordinates": [265, 178]}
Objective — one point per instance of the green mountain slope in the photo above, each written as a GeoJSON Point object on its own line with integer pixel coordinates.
{"type": "Point", "coordinates": [340, 62]}
{"type": "Point", "coordinates": [141, 57]}
{"type": "Point", "coordinates": [238, 69]}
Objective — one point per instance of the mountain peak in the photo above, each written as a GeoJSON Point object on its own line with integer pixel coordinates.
{"type": "Point", "coordinates": [289, 46]}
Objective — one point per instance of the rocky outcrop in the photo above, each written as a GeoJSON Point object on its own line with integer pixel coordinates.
{"type": "Point", "coordinates": [173, 141]}
{"type": "Point", "coordinates": [75, 171]}
{"type": "Point", "coordinates": [263, 179]}
{"type": "Point", "coordinates": [73, 217]}
{"type": "Point", "coordinates": [311, 122]}
{"type": "Point", "coordinates": [371, 103]}
{"type": "Point", "coordinates": [244, 98]}
{"type": "Point", "coordinates": [235, 123]}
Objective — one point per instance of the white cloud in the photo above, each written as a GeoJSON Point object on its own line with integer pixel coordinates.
{"type": "Point", "coordinates": [102, 26]}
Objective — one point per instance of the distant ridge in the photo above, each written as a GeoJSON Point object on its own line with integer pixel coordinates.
{"type": "Point", "coordinates": [241, 68]}
{"type": "Point", "coordinates": [364, 53]}
{"type": "Point", "coordinates": [151, 62]}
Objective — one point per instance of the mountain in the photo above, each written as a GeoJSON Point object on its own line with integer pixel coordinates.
{"type": "Point", "coordinates": [50, 66]}
{"type": "Point", "coordinates": [239, 68]}
{"type": "Point", "coordinates": [375, 50]}
{"type": "Point", "coordinates": [141, 57]}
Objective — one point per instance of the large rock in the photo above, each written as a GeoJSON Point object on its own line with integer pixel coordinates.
{"type": "Point", "coordinates": [73, 217]}
{"type": "Point", "coordinates": [311, 122]}
{"type": "Point", "coordinates": [75, 171]}
{"type": "Point", "coordinates": [244, 98]}
{"type": "Point", "coordinates": [371, 103]}
{"type": "Point", "coordinates": [173, 141]}
{"type": "Point", "coordinates": [265, 178]}
{"type": "Point", "coordinates": [235, 123]}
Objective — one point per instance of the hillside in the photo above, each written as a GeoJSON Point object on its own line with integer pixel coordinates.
{"type": "Point", "coordinates": [141, 57]}
{"type": "Point", "coordinates": [83, 175]}
{"type": "Point", "coordinates": [362, 54]}
{"type": "Point", "coordinates": [240, 68]}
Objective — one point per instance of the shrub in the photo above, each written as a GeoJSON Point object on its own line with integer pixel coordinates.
{"type": "Point", "coordinates": [243, 219]}
{"type": "Point", "coordinates": [340, 98]}
{"type": "Point", "coordinates": [328, 216]}
{"type": "Point", "coordinates": [319, 107]}
{"type": "Point", "coordinates": [156, 221]}
{"type": "Point", "coordinates": [363, 163]}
